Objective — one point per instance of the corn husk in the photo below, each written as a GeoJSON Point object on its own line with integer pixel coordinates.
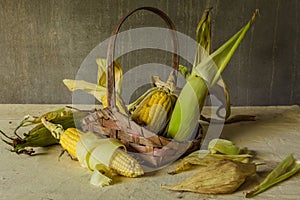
{"type": "Point", "coordinates": [184, 119]}
{"type": "Point", "coordinates": [284, 170]}
{"type": "Point", "coordinates": [95, 154]}
{"type": "Point", "coordinates": [102, 74]}
{"type": "Point", "coordinates": [222, 177]}
{"type": "Point", "coordinates": [223, 146]}
{"type": "Point", "coordinates": [218, 149]}
{"type": "Point", "coordinates": [99, 90]}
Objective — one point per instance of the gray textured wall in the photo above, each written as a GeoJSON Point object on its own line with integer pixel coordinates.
{"type": "Point", "coordinates": [44, 41]}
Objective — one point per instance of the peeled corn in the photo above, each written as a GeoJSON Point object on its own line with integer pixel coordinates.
{"type": "Point", "coordinates": [125, 165]}
{"type": "Point", "coordinates": [153, 109]}
{"type": "Point", "coordinates": [120, 161]}
{"type": "Point", "coordinates": [69, 140]}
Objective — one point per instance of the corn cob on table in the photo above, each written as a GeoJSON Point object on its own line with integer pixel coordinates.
{"type": "Point", "coordinates": [274, 135]}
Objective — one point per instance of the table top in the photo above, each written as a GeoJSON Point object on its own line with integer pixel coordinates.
{"type": "Point", "coordinates": [273, 136]}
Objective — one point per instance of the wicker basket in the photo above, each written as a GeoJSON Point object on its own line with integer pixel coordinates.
{"type": "Point", "coordinates": [151, 150]}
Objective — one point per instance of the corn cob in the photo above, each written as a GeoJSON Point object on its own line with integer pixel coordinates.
{"type": "Point", "coordinates": [69, 140]}
{"type": "Point", "coordinates": [125, 165]}
{"type": "Point", "coordinates": [153, 109]}
{"type": "Point", "coordinates": [120, 161]}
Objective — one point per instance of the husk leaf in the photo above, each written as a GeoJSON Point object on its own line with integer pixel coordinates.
{"type": "Point", "coordinates": [284, 170]}
{"type": "Point", "coordinates": [221, 177]}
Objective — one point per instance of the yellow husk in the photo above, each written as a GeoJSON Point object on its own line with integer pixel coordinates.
{"type": "Point", "coordinates": [221, 177]}
{"type": "Point", "coordinates": [219, 149]}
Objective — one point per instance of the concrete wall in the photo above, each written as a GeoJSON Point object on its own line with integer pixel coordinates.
{"type": "Point", "coordinates": [44, 41]}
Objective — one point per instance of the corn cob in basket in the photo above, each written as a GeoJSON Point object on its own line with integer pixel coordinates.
{"type": "Point", "coordinates": [153, 109]}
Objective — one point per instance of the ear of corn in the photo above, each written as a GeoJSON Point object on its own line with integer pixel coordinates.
{"type": "Point", "coordinates": [153, 112]}
{"type": "Point", "coordinates": [184, 118]}
{"type": "Point", "coordinates": [195, 89]}
{"type": "Point", "coordinates": [123, 164]}
{"type": "Point", "coordinates": [39, 135]}
{"type": "Point", "coordinates": [69, 140]}
{"type": "Point", "coordinates": [91, 151]}
{"type": "Point", "coordinates": [153, 109]}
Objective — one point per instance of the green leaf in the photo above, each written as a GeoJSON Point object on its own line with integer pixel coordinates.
{"type": "Point", "coordinates": [223, 146]}
{"type": "Point", "coordinates": [284, 170]}
{"type": "Point", "coordinates": [212, 66]}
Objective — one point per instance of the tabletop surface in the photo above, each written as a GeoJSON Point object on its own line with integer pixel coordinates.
{"type": "Point", "coordinates": [273, 136]}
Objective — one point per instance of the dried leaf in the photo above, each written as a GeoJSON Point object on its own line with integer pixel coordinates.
{"type": "Point", "coordinates": [196, 160]}
{"type": "Point", "coordinates": [221, 177]}
{"type": "Point", "coordinates": [102, 74]}
{"type": "Point", "coordinates": [219, 149]}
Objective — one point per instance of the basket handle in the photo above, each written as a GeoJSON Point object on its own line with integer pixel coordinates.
{"type": "Point", "coordinates": [110, 80]}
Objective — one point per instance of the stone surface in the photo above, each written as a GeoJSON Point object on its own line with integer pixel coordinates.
{"type": "Point", "coordinates": [273, 136]}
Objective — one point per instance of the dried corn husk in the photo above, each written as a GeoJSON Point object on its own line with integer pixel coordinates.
{"type": "Point", "coordinates": [222, 177]}
{"type": "Point", "coordinates": [99, 90]}
{"type": "Point", "coordinates": [219, 149]}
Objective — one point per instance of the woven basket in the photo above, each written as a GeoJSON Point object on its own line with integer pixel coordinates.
{"type": "Point", "coordinates": [151, 150]}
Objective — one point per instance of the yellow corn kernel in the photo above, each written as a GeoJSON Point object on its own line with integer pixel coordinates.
{"type": "Point", "coordinates": [153, 112]}
{"type": "Point", "coordinates": [69, 140]}
{"type": "Point", "coordinates": [124, 164]}
{"type": "Point", "coordinates": [160, 119]}
{"type": "Point", "coordinates": [120, 162]}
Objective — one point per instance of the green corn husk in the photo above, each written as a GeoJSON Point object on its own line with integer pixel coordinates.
{"type": "Point", "coordinates": [203, 34]}
{"type": "Point", "coordinates": [284, 170]}
{"type": "Point", "coordinates": [195, 87]}
{"type": "Point", "coordinates": [184, 119]}
{"type": "Point", "coordinates": [223, 146]}
{"type": "Point", "coordinates": [218, 149]}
